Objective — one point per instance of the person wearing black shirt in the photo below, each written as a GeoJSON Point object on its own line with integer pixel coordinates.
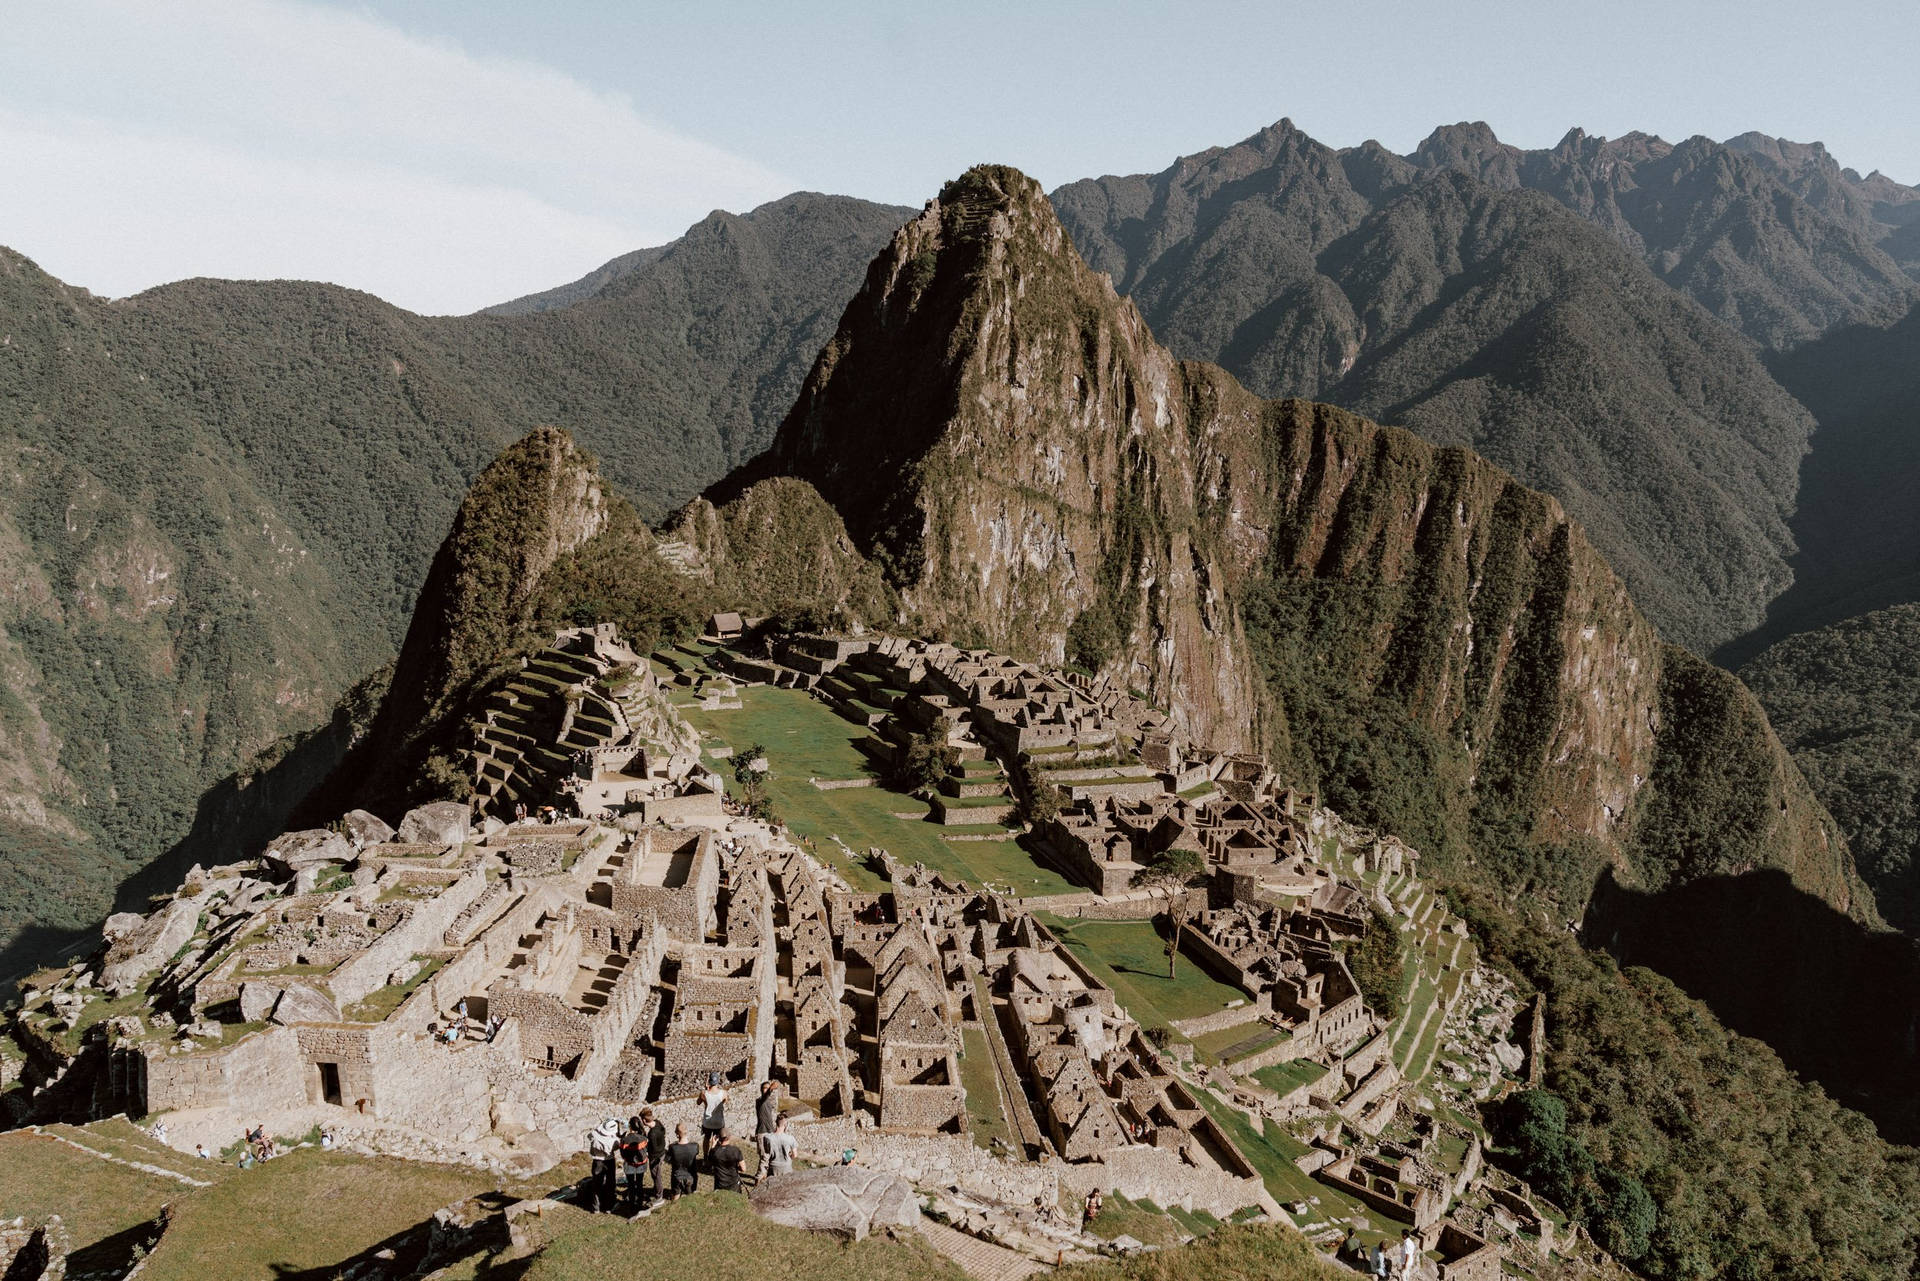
{"type": "Point", "coordinates": [633, 1157]}
{"type": "Point", "coordinates": [683, 1157]}
{"type": "Point", "coordinates": [656, 1155]}
{"type": "Point", "coordinates": [726, 1162]}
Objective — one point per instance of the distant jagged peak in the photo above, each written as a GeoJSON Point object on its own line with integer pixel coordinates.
{"type": "Point", "coordinates": [1464, 138]}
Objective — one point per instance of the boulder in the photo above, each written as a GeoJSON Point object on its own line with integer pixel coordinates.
{"type": "Point", "coordinates": [256, 1001]}
{"type": "Point", "coordinates": [120, 924]}
{"type": "Point", "coordinates": [364, 829]}
{"type": "Point", "coordinates": [304, 1003]}
{"type": "Point", "coordinates": [291, 851]}
{"type": "Point", "coordinates": [441, 823]}
{"type": "Point", "coordinates": [846, 1201]}
{"type": "Point", "coordinates": [139, 952]}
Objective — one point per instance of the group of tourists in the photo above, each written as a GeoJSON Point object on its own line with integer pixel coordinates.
{"type": "Point", "coordinates": [461, 1025]}
{"type": "Point", "coordinates": [1385, 1261]}
{"type": "Point", "coordinates": [633, 1166]}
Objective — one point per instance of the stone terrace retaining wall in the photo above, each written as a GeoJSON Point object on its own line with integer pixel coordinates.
{"type": "Point", "coordinates": [1142, 1172]}
{"type": "Point", "coordinates": [423, 931]}
{"type": "Point", "coordinates": [263, 1071]}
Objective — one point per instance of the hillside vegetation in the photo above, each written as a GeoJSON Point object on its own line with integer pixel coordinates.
{"type": "Point", "coordinates": [223, 498]}
{"type": "Point", "coordinates": [1752, 1173]}
{"type": "Point", "coordinates": [1449, 301]}
{"type": "Point", "coordinates": [1846, 700]}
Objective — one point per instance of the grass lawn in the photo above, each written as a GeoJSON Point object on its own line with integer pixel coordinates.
{"type": "Point", "coordinates": [306, 1210]}
{"type": "Point", "coordinates": [715, 1236]}
{"type": "Point", "coordinates": [1237, 1042]}
{"type": "Point", "coordinates": [804, 740]}
{"type": "Point", "coordinates": [1271, 1252]}
{"type": "Point", "coordinates": [105, 1206]}
{"type": "Point", "coordinates": [1284, 1077]}
{"type": "Point", "coordinates": [1144, 1221]}
{"type": "Point", "coordinates": [1130, 957]}
{"type": "Point", "coordinates": [986, 1114]}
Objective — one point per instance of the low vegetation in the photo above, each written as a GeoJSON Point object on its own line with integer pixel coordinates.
{"type": "Point", "coordinates": [1750, 1172]}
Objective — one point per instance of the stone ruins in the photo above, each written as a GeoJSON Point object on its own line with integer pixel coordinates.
{"type": "Point", "coordinates": [602, 927]}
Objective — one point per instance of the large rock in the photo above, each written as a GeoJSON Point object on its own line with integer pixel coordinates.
{"type": "Point", "coordinates": [121, 924]}
{"type": "Point", "coordinates": [292, 851]}
{"type": "Point", "coordinates": [843, 1200]}
{"type": "Point", "coordinates": [138, 952]}
{"type": "Point", "coordinates": [441, 823]}
{"type": "Point", "coordinates": [256, 1001]}
{"type": "Point", "coordinates": [302, 1003]}
{"type": "Point", "coordinates": [365, 829]}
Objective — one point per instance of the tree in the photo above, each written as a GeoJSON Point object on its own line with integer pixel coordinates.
{"type": "Point", "coordinates": [750, 767]}
{"type": "Point", "coordinates": [1376, 965]}
{"type": "Point", "coordinates": [926, 759]}
{"type": "Point", "coordinates": [1176, 870]}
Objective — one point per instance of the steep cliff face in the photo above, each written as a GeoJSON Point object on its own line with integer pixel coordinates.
{"type": "Point", "coordinates": [1001, 432]}
{"type": "Point", "coordinates": [540, 501]}
{"type": "Point", "coordinates": [1004, 437]}
{"type": "Point", "coordinates": [776, 549]}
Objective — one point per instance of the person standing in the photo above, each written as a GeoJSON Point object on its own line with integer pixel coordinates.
{"type": "Point", "coordinates": [683, 1156]}
{"type": "Point", "coordinates": [1409, 1255]}
{"type": "Point", "coordinates": [656, 1154]}
{"type": "Point", "coordinates": [633, 1158]}
{"type": "Point", "coordinates": [603, 1150]}
{"type": "Point", "coordinates": [767, 1110]}
{"type": "Point", "coordinates": [713, 1113]}
{"type": "Point", "coordinates": [776, 1150]}
{"type": "Point", "coordinates": [727, 1163]}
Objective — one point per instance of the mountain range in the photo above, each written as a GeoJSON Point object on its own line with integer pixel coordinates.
{"type": "Point", "coordinates": [229, 493]}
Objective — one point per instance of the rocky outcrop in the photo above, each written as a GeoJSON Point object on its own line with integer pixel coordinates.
{"type": "Point", "coordinates": [303, 1003]}
{"type": "Point", "coordinates": [292, 851]}
{"type": "Point", "coordinates": [1003, 435]}
{"type": "Point", "coordinates": [364, 829]}
{"type": "Point", "coordinates": [436, 823]}
{"type": "Point", "coordinates": [139, 952]}
{"type": "Point", "coordinates": [842, 1200]}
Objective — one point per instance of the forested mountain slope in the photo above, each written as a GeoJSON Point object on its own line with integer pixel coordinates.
{"type": "Point", "coordinates": [223, 496]}
{"type": "Point", "coordinates": [1491, 318]}
{"type": "Point", "coordinates": [1845, 699]}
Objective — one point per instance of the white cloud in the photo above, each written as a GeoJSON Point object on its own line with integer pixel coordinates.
{"type": "Point", "coordinates": [258, 138]}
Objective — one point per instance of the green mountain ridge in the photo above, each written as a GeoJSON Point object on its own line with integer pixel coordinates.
{"type": "Point", "coordinates": [225, 496]}
{"type": "Point", "coordinates": [1495, 318]}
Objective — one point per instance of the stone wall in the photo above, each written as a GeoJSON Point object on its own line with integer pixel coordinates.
{"type": "Point", "coordinates": [613, 1025]}
{"type": "Point", "coordinates": [346, 1046]}
{"type": "Point", "coordinates": [264, 1071]}
{"type": "Point", "coordinates": [1161, 1175]}
{"type": "Point", "coordinates": [423, 931]}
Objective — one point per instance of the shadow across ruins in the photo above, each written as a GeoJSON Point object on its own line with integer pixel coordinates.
{"type": "Point", "coordinates": [1838, 1002]}
{"type": "Point", "coordinates": [232, 820]}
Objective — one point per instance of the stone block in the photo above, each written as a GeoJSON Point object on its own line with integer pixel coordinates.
{"type": "Point", "coordinates": [846, 1201]}
{"type": "Point", "coordinates": [292, 851]}
{"type": "Point", "coordinates": [441, 823]}
{"type": "Point", "coordinates": [256, 1001]}
{"type": "Point", "coordinates": [364, 829]}
{"type": "Point", "coordinates": [302, 1003]}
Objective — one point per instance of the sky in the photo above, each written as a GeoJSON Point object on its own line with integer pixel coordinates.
{"type": "Point", "coordinates": [449, 154]}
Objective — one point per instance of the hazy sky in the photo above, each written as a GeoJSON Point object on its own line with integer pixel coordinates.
{"type": "Point", "coordinates": [446, 154]}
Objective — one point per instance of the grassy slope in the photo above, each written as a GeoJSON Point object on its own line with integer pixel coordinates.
{"type": "Point", "coordinates": [679, 1242]}
{"type": "Point", "coordinates": [1234, 1253]}
{"type": "Point", "coordinates": [805, 739]}
{"type": "Point", "coordinates": [305, 1210]}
